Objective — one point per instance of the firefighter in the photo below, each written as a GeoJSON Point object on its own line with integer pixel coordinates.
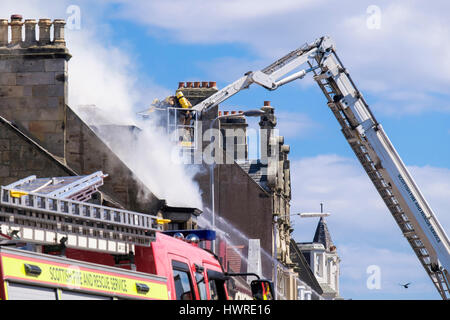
{"type": "Point", "coordinates": [267, 295]}
{"type": "Point", "coordinates": [186, 116]}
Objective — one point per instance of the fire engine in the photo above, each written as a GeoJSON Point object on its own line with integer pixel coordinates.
{"type": "Point", "coordinates": [54, 246]}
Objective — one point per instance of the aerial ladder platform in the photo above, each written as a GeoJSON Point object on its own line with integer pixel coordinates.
{"type": "Point", "coordinates": [368, 140]}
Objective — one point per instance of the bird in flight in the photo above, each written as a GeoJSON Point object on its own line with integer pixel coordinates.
{"type": "Point", "coordinates": [406, 286]}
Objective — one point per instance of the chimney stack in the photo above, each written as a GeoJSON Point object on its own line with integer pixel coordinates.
{"type": "Point", "coordinates": [269, 147]}
{"type": "Point", "coordinates": [34, 80]}
{"type": "Point", "coordinates": [17, 24]}
{"type": "Point", "coordinates": [197, 91]}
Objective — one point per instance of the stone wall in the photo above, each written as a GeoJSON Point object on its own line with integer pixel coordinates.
{"type": "Point", "coordinates": [33, 96]}
{"type": "Point", "coordinates": [33, 81]}
{"type": "Point", "coordinates": [239, 199]}
{"type": "Point", "coordinates": [20, 157]}
{"type": "Point", "coordinates": [87, 153]}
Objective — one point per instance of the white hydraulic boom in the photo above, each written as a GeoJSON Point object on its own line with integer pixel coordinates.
{"type": "Point", "coordinates": [370, 143]}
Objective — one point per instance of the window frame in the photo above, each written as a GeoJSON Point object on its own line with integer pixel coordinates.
{"type": "Point", "coordinates": [183, 267]}
{"type": "Point", "coordinates": [217, 279]}
{"type": "Point", "coordinates": [202, 294]}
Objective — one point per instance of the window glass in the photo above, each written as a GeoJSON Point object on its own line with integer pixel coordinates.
{"type": "Point", "coordinates": [216, 283]}
{"type": "Point", "coordinates": [200, 278]}
{"type": "Point", "coordinates": [183, 287]}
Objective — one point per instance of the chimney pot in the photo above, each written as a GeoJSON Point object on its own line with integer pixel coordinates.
{"type": "Point", "coordinates": [30, 31]}
{"type": "Point", "coordinates": [180, 85]}
{"type": "Point", "coordinates": [16, 28]}
{"type": "Point", "coordinates": [188, 84]}
{"type": "Point", "coordinates": [220, 113]}
{"type": "Point", "coordinates": [58, 25]}
{"type": "Point", "coordinates": [226, 113]}
{"type": "Point", "coordinates": [233, 112]}
{"type": "Point", "coordinates": [266, 103]}
{"type": "Point", "coordinates": [4, 32]}
{"type": "Point", "coordinates": [212, 84]}
{"type": "Point", "coordinates": [44, 31]}
{"type": "Point", "coordinates": [204, 84]}
{"type": "Point", "coordinates": [16, 17]}
{"type": "Point", "coordinates": [196, 84]}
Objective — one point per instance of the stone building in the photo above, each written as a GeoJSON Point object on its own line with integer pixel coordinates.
{"type": "Point", "coordinates": [40, 134]}
{"type": "Point", "coordinates": [323, 259]}
{"type": "Point", "coordinates": [251, 197]}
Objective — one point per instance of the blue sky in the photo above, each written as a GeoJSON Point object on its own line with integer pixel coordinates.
{"type": "Point", "coordinates": [126, 53]}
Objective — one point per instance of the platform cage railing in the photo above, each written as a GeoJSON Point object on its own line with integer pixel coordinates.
{"type": "Point", "coordinates": [182, 126]}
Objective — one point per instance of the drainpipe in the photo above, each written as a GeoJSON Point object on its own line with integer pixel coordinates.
{"type": "Point", "coordinates": [249, 113]}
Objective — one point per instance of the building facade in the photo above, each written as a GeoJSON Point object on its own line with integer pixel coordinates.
{"type": "Point", "coordinates": [251, 196]}
{"type": "Point", "coordinates": [323, 259]}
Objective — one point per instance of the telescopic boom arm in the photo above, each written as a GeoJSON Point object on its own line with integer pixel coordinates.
{"type": "Point", "coordinates": [370, 143]}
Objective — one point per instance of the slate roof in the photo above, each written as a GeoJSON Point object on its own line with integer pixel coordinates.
{"type": "Point", "coordinates": [302, 268]}
{"type": "Point", "coordinates": [108, 200]}
{"type": "Point", "coordinates": [257, 171]}
{"type": "Point", "coordinates": [322, 234]}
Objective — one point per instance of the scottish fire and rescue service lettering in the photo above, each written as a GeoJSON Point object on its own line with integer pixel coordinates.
{"type": "Point", "coordinates": [82, 278]}
{"type": "Point", "coordinates": [78, 278]}
{"type": "Point", "coordinates": [419, 208]}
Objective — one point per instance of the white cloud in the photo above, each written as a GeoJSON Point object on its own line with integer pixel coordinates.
{"type": "Point", "coordinates": [435, 185]}
{"type": "Point", "coordinates": [360, 224]}
{"type": "Point", "coordinates": [396, 267]}
{"type": "Point", "coordinates": [346, 190]}
{"type": "Point", "coordinates": [410, 53]}
{"type": "Point", "coordinates": [228, 69]}
{"type": "Point", "coordinates": [106, 76]}
{"type": "Point", "coordinates": [340, 183]}
{"type": "Point", "coordinates": [295, 125]}
{"type": "Point", "coordinates": [211, 21]}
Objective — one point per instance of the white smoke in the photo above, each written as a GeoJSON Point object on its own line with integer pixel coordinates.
{"type": "Point", "coordinates": [104, 73]}
{"type": "Point", "coordinates": [108, 79]}
{"type": "Point", "coordinates": [152, 156]}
